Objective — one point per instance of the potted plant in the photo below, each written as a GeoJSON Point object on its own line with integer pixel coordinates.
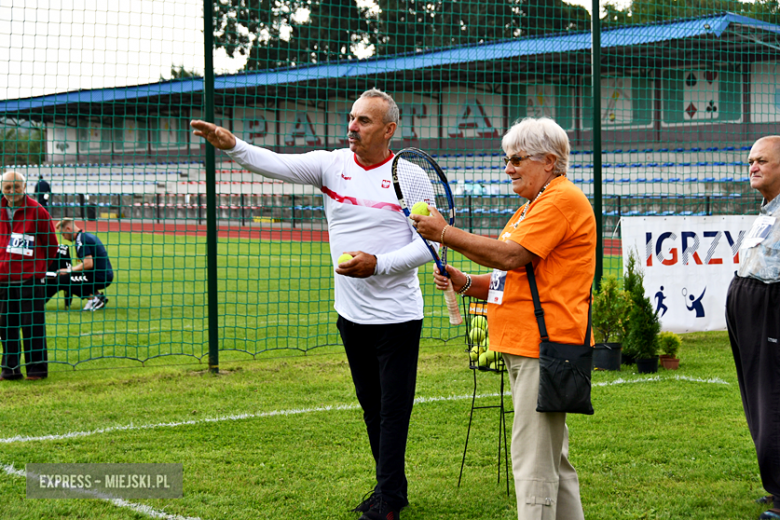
{"type": "Point", "coordinates": [643, 324]}
{"type": "Point", "coordinates": [669, 343]}
{"type": "Point", "coordinates": [611, 305]}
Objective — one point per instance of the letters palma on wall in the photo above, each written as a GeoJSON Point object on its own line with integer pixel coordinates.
{"type": "Point", "coordinates": [690, 96]}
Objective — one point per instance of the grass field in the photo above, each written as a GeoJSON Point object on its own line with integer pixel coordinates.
{"type": "Point", "coordinates": [278, 434]}
{"type": "Point", "coordinates": [283, 438]}
{"type": "Point", "coordinates": [273, 295]}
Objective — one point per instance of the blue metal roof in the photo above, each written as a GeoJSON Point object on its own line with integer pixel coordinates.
{"type": "Point", "coordinates": [561, 43]}
{"type": "Point", "coordinates": [104, 95]}
{"type": "Point", "coordinates": [713, 25]}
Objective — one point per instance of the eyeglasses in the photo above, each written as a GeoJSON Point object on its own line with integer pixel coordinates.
{"type": "Point", "coordinates": [515, 160]}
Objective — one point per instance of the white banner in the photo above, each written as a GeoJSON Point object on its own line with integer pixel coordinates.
{"type": "Point", "coordinates": [688, 263]}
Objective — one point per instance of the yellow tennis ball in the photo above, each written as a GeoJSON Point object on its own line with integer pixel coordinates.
{"type": "Point", "coordinates": [479, 322]}
{"type": "Point", "coordinates": [421, 208]}
{"type": "Point", "coordinates": [476, 336]}
{"type": "Point", "coordinates": [344, 258]}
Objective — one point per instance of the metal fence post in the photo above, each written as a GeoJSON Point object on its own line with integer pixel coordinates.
{"type": "Point", "coordinates": [292, 216]}
{"type": "Point", "coordinates": [211, 193]}
{"type": "Point", "coordinates": [596, 94]}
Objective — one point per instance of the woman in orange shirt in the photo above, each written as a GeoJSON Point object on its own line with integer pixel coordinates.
{"type": "Point", "coordinates": [556, 231]}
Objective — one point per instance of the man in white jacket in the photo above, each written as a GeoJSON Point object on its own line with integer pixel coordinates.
{"type": "Point", "coordinates": [377, 293]}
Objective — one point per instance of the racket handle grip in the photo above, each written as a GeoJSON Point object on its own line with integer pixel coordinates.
{"type": "Point", "coordinates": [452, 305]}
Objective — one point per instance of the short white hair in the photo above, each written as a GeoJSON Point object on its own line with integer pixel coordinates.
{"type": "Point", "coordinates": [539, 137]}
{"type": "Point", "coordinates": [14, 177]}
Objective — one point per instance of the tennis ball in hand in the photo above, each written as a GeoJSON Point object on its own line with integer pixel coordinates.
{"type": "Point", "coordinates": [344, 258]}
{"type": "Point", "coordinates": [476, 336]}
{"type": "Point", "coordinates": [421, 208]}
{"type": "Point", "coordinates": [479, 322]}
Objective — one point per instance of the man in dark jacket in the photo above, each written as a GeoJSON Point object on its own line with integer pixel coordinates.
{"type": "Point", "coordinates": [27, 245]}
{"type": "Point", "coordinates": [43, 192]}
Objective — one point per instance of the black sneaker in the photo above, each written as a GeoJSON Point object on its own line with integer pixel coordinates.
{"type": "Point", "coordinates": [381, 510]}
{"type": "Point", "coordinates": [365, 505]}
{"type": "Point", "coordinates": [68, 299]}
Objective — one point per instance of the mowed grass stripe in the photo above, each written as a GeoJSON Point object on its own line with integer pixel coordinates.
{"type": "Point", "coordinates": [328, 408]}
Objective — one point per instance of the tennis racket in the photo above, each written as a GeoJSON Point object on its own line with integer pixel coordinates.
{"type": "Point", "coordinates": [417, 177]}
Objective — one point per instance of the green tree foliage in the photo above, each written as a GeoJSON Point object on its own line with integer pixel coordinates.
{"type": "Point", "coordinates": [424, 25]}
{"type": "Point", "coordinates": [611, 308]}
{"type": "Point", "coordinates": [648, 11]}
{"type": "Point", "coordinates": [669, 343]}
{"type": "Point", "coordinates": [281, 33]}
{"type": "Point", "coordinates": [275, 33]}
{"type": "Point", "coordinates": [20, 146]}
{"type": "Point", "coordinates": [178, 72]}
{"type": "Point", "coordinates": [641, 340]}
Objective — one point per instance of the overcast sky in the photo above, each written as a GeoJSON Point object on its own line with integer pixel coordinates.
{"type": "Point", "coordinates": [64, 45]}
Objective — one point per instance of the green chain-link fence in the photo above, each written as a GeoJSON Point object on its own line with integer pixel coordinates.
{"type": "Point", "coordinates": [98, 102]}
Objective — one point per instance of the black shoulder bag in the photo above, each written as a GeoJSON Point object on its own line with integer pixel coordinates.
{"type": "Point", "coordinates": [564, 370]}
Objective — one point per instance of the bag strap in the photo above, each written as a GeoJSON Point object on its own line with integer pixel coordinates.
{"type": "Point", "coordinates": [539, 312]}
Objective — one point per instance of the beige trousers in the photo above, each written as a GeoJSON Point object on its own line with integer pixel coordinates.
{"type": "Point", "coordinates": [546, 483]}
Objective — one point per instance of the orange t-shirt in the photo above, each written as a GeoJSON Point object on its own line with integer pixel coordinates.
{"type": "Point", "coordinates": [560, 228]}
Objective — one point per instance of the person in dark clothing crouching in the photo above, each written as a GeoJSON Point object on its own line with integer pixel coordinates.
{"type": "Point", "coordinates": [92, 275]}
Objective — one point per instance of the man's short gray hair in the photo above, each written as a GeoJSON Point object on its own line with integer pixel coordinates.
{"type": "Point", "coordinates": [539, 137]}
{"type": "Point", "coordinates": [392, 115]}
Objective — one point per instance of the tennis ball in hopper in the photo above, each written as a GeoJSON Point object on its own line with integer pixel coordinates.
{"type": "Point", "coordinates": [479, 322]}
{"type": "Point", "coordinates": [476, 336]}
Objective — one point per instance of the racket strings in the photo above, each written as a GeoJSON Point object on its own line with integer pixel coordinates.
{"type": "Point", "coordinates": [420, 182]}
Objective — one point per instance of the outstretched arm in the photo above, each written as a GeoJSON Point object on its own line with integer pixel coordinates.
{"type": "Point", "coordinates": [297, 168]}
{"type": "Point", "coordinates": [219, 137]}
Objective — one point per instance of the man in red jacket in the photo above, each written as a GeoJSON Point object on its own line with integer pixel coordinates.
{"type": "Point", "coordinates": [27, 245]}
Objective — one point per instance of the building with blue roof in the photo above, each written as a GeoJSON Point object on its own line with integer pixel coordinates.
{"type": "Point", "coordinates": [706, 81]}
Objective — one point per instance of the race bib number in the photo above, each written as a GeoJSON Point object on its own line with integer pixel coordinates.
{"type": "Point", "coordinates": [496, 291]}
{"type": "Point", "coordinates": [760, 230]}
{"type": "Point", "coordinates": [20, 244]}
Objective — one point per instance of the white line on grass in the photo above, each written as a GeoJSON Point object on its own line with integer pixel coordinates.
{"type": "Point", "coordinates": [299, 411]}
{"type": "Point", "coordinates": [10, 470]}
{"type": "Point", "coordinates": [621, 381]}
